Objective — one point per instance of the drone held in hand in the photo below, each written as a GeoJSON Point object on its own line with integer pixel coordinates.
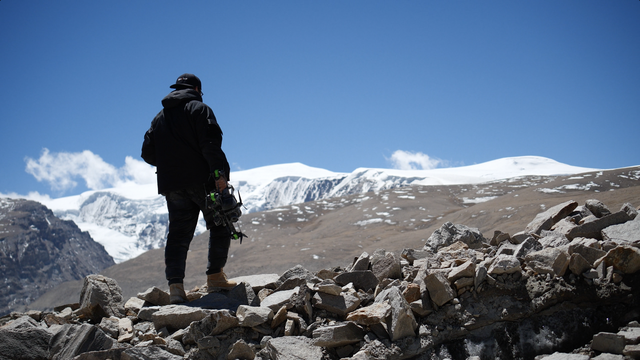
{"type": "Point", "coordinates": [226, 208]}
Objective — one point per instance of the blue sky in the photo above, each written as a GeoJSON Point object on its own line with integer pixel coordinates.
{"type": "Point", "coordinates": [332, 84]}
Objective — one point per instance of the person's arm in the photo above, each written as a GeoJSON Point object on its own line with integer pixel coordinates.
{"type": "Point", "coordinates": [149, 144]}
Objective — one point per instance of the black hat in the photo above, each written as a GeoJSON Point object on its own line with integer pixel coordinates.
{"type": "Point", "coordinates": [187, 81]}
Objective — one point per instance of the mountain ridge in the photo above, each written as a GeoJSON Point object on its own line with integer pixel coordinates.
{"type": "Point", "coordinates": [107, 214]}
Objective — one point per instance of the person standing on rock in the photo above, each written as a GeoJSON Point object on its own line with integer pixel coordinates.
{"type": "Point", "coordinates": [184, 144]}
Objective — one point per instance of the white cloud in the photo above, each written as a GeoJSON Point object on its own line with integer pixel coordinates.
{"type": "Point", "coordinates": [61, 170]}
{"type": "Point", "coordinates": [33, 195]}
{"type": "Point", "coordinates": [406, 160]}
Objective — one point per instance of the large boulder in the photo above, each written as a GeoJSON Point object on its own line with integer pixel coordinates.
{"type": "Point", "coordinates": [71, 340]}
{"type": "Point", "coordinates": [439, 288]}
{"type": "Point", "coordinates": [401, 323]}
{"type": "Point", "coordinates": [176, 317]}
{"type": "Point", "coordinates": [628, 232]}
{"type": "Point", "coordinates": [625, 259]}
{"type": "Point", "coordinates": [450, 233]}
{"type": "Point", "coordinates": [340, 334]}
{"type": "Point", "coordinates": [292, 347]}
{"type": "Point", "coordinates": [548, 261]}
{"type": "Point", "coordinates": [29, 342]}
{"type": "Point", "coordinates": [545, 220]}
{"type": "Point", "coordinates": [101, 297]}
{"type": "Point", "coordinates": [593, 229]}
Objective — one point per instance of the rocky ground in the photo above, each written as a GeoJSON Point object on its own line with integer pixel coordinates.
{"type": "Point", "coordinates": [566, 287]}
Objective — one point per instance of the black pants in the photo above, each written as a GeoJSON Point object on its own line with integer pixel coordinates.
{"type": "Point", "coordinates": [184, 208]}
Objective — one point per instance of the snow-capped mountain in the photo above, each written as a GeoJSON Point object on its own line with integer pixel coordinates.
{"type": "Point", "coordinates": [133, 219]}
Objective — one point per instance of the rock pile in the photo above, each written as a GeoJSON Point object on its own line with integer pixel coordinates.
{"type": "Point", "coordinates": [566, 286]}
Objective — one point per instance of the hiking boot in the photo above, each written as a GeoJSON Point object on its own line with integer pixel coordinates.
{"type": "Point", "coordinates": [219, 282]}
{"type": "Point", "coordinates": [177, 294]}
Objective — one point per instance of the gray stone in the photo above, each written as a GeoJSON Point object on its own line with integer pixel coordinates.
{"type": "Point", "coordinates": [519, 237]}
{"type": "Point", "coordinates": [279, 317]}
{"type": "Point", "coordinates": [449, 233]}
{"type": "Point", "coordinates": [213, 324]}
{"type": "Point", "coordinates": [26, 342]}
{"type": "Point", "coordinates": [565, 356]}
{"type": "Point", "coordinates": [529, 245]}
{"type": "Point", "coordinates": [125, 330]}
{"type": "Point", "coordinates": [439, 288]}
{"type": "Point", "coordinates": [297, 271]}
{"type": "Point", "coordinates": [243, 293]}
{"type": "Point", "coordinates": [597, 208]}
{"type": "Point", "coordinates": [506, 249]}
{"type": "Point", "coordinates": [632, 351]}
{"type": "Point", "coordinates": [594, 228]}
{"type": "Point", "coordinates": [625, 259]}
{"type": "Point", "coordinates": [546, 219]}
{"type": "Point", "coordinates": [411, 255]}
{"type": "Point", "coordinates": [498, 237]}
{"type": "Point", "coordinates": [362, 280]}
{"type": "Point", "coordinates": [361, 263]}
{"type": "Point", "coordinates": [608, 342]}
{"type": "Point", "coordinates": [155, 296]}
{"type": "Point", "coordinates": [631, 335]}
{"type": "Point", "coordinates": [387, 267]}
{"type": "Point", "coordinates": [278, 299]}
{"type": "Point", "coordinates": [146, 313]}
{"type": "Point", "coordinates": [564, 226]}
{"type": "Point", "coordinates": [402, 323]}
{"type": "Point", "coordinates": [293, 348]}
{"type": "Point", "coordinates": [241, 350]}
{"type": "Point", "coordinates": [589, 253]}
{"type": "Point", "coordinates": [291, 283]}
{"type": "Point", "coordinates": [337, 304]}
{"type": "Point", "coordinates": [23, 322]}
{"type": "Point", "coordinates": [329, 287]}
{"type": "Point", "coordinates": [621, 233]}
{"type": "Point", "coordinates": [630, 210]}
{"type": "Point", "coordinates": [481, 275]}
{"type": "Point", "coordinates": [176, 317]}
{"type": "Point", "coordinates": [133, 306]}
{"type": "Point", "coordinates": [419, 309]}
{"type": "Point", "coordinates": [504, 264]}
{"type": "Point", "coordinates": [110, 326]}
{"type": "Point", "coordinates": [375, 313]}
{"type": "Point", "coordinates": [553, 239]}
{"type": "Point", "coordinates": [101, 296]}
{"type": "Point", "coordinates": [548, 261]}
{"type": "Point", "coordinates": [71, 340]}
{"type": "Point", "coordinates": [251, 316]}
{"type": "Point", "coordinates": [607, 356]}
{"type": "Point", "coordinates": [138, 352]}
{"type": "Point", "coordinates": [258, 282]}
{"type": "Point", "coordinates": [578, 264]}
{"type": "Point", "coordinates": [340, 334]}
{"type": "Point", "coordinates": [150, 352]}
{"type": "Point", "coordinates": [467, 269]}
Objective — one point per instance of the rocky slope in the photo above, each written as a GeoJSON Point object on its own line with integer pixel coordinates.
{"type": "Point", "coordinates": [38, 251]}
{"type": "Point", "coordinates": [330, 232]}
{"type": "Point", "coordinates": [566, 286]}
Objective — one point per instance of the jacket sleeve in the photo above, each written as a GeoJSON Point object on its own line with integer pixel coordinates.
{"type": "Point", "coordinates": [149, 144]}
{"type": "Point", "coordinates": [210, 139]}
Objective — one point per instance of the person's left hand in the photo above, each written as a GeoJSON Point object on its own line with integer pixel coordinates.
{"type": "Point", "coordinates": [221, 183]}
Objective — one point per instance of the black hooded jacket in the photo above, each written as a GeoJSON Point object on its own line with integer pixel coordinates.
{"type": "Point", "coordinates": [184, 142]}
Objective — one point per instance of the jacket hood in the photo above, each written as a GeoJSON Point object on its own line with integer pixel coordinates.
{"type": "Point", "coordinates": [180, 96]}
